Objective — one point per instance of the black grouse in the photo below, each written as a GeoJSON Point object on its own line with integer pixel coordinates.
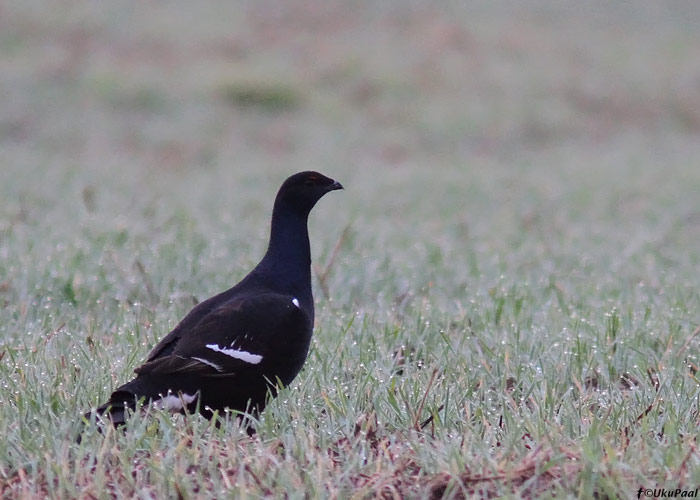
{"type": "Point", "coordinates": [233, 349]}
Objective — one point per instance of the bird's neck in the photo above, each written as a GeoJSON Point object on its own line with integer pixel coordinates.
{"type": "Point", "coordinates": [288, 255]}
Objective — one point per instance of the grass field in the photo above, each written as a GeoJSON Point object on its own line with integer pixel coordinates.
{"type": "Point", "coordinates": [507, 292]}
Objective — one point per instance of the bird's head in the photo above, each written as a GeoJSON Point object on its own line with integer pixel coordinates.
{"type": "Point", "coordinates": [301, 191]}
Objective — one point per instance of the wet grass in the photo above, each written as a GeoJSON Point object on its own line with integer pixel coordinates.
{"type": "Point", "coordinates": [507, 290]}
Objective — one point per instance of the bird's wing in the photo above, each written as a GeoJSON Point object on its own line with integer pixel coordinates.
{"type": "Point", "coordinates": [241, 334]}
{"type": "Point", "coordinates": [189, 322]}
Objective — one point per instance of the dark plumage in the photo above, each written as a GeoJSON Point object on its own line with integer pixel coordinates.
{"type": "Point", "coordinates": [234, 348]}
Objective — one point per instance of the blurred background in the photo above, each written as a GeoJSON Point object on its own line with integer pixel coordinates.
{"type": "Point", "coordinates": [365, 86]}
{"type": "Point", "coordinates": [452, 126]}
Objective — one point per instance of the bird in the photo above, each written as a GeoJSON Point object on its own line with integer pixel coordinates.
{"type": "Point", "coordinates": [236, 349]}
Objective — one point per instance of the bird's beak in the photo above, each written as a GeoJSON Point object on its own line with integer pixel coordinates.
{"type": "Point", "coordinates": [335, 186]}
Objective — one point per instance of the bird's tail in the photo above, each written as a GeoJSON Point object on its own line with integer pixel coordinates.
{"type": "Point", "coordinates": [115, 410]}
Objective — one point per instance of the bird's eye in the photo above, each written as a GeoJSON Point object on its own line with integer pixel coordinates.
{"type": "Point", "coordinates": [309, 183]}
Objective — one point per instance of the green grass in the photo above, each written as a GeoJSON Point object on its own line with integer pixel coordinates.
{"type": "Point", "coordinates": [517, 259]}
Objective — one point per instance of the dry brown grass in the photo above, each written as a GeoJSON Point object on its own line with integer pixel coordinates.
{"type": "Point", "coordinates": [542, 470]}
